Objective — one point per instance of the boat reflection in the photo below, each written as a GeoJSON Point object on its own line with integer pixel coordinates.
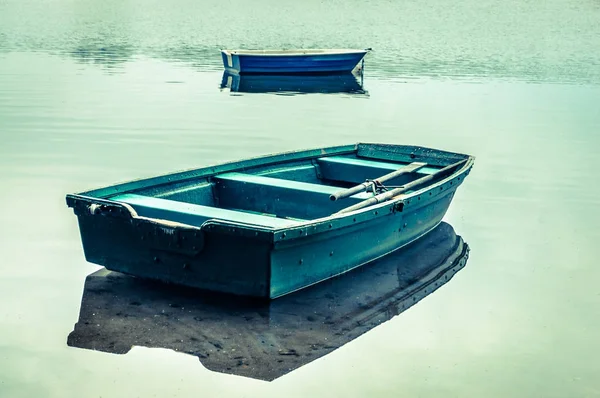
{"type": "Point", "coordinates": [263, 340]}
{"type": "Point", "coordinates": [340, 83]}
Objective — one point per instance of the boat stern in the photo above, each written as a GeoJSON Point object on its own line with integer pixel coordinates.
{"type": "Point", "coordinates": [231, 62]}
{"type": "Point", "coordinates": [213, 257]}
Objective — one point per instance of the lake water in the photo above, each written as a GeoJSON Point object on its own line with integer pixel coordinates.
{"type": "Point", "coordinates": [92, 93]}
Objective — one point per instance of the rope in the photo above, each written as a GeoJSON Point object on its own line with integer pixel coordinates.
{"type": "Point", "coordinates": [376, 187]}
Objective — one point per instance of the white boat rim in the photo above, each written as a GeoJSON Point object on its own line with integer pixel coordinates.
{"type": "Point", "coordinates": [294, 52]}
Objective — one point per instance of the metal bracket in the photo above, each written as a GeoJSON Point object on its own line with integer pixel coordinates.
{"type": "Point", "coordinates": [317, 167]}
{"type": "Point", "coordinates": [172, 239]}
{"type": "Point", "coordinates": [398, 207]}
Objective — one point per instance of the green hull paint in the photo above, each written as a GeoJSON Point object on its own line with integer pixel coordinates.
{"type": "Point", "coordinates": [263, 227]}
{"type": "Point", "coordinates": [299, 263]}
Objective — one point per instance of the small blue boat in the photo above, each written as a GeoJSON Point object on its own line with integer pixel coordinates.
{"type": "Point", "coordinates": [268, 226]}
{"type": "Point", "coordinates": [339, 83]}
{"type": "Point", "coordinates": [292, 61]}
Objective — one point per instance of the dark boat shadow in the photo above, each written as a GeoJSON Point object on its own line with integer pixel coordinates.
{"type": "Point", "coordinates": [256, 339]}
{"type": "Point", "coordinates": [340, 83]}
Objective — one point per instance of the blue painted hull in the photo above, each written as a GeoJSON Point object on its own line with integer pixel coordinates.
{"type": "Point", "coordinates": [277, 64]}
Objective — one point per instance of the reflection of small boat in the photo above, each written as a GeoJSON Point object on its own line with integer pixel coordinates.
{"type": "Point", "coordinates": [268, 226]}
{"type": "Point", "coordinates": [263, 340]}
{"type": "Point", "coordinates": [304, 84]}
{"type": "Point", "coordinates": [292, 61]}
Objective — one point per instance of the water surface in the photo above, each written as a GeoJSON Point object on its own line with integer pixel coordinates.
{"type": "Point", "coordinates": [92, 93]}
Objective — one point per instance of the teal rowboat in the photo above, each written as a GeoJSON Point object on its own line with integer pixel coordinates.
{"type": "Point", "coordinates": [265, 227]}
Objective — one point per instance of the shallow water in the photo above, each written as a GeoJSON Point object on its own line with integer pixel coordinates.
{"type": "Point", "coordinates": [92, 93]}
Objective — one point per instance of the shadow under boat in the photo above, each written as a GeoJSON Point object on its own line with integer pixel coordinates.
{"type": "Point", "coordinates": [339, 83]}
{"type": "Point", "coordinates": [263, 340]}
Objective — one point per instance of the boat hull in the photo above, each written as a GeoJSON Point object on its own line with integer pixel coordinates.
{"type": "Point", "coordinates": [291, 64]}
{"type": "Point", "coordinates": [234, 260]}
{"type": "Point", "coordinates": [295, 265]}
{"type": "Point", "coordinates": [214, 261]}
{"type": "Point", "coordinates": [265, 262]}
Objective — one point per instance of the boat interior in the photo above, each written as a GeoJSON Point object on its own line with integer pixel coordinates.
{"type": "Point", "coordinates": [282, 194]}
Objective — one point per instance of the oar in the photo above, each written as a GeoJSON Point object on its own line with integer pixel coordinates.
{"type": "Point", "coordinates": [365, 185]}
{"type": "Point", "coordinates": [397, 191]}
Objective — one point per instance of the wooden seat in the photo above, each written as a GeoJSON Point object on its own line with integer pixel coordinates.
{"type": "Point", "coordinates": [278, 196]}
{"type": "Point", "coordinates": [192, 214]}
{"type": "Point", "coordinates": [356, 171]}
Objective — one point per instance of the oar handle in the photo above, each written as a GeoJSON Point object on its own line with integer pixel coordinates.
{"type": "Point", "coordinates": [397, 191]}
{"type": "Point", "coordinates": [349, 192]}
{"type": "Point", "coordinates": [361, 187]}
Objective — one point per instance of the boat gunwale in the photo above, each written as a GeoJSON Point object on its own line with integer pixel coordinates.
{"type": "Point", "coordinates": [294, 52]}
{"type": "Point", "coordinates": [215, 169]}
{"type": "Point", "coordinates": [308, 227]}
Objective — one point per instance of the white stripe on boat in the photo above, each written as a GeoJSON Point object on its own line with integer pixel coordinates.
{"type": "Point", "coordinates": [295, 52]}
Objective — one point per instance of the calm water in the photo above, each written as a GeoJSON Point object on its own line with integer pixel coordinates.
{"type": "Point", "coordinates": [94, 92]}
